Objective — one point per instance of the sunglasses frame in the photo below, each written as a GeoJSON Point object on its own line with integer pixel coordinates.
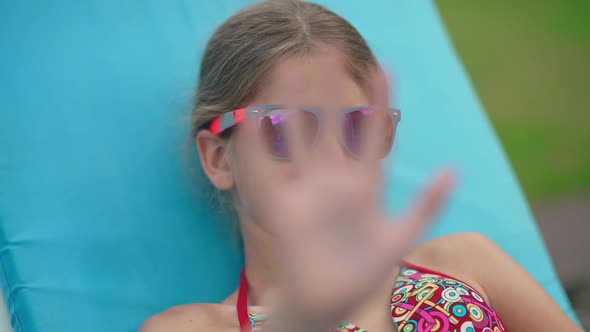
{"type": "Point", "coordinates": [254, 113]}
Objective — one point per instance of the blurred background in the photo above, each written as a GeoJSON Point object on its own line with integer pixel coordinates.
{"type": "Point", "coordinates": [530, 64]}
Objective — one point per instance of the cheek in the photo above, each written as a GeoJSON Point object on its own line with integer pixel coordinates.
{"type": "Point", "coordinates": [255, 175]}
{"type": "Point", "coordinates": [254, 162]}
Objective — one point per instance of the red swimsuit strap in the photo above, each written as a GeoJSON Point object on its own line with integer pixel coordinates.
{"type": "Point", "coordinates": [242, 305]}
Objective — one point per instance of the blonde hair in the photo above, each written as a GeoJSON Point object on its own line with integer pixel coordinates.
{"type": "Point", "coordinates": [244, 48]}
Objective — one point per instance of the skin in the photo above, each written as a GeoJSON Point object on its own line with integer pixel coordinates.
{"type": "Point", "coordinates": [323, 196]}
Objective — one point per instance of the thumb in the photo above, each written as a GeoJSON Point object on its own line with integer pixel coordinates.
{"type": "Point", "coordinates": [401, 235]}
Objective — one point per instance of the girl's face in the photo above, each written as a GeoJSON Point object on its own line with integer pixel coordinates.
{"type": "Point", "coordinates": [320, 80]}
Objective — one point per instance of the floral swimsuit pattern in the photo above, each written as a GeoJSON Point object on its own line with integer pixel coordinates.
{"type": "Point", "coordinates": [429, 301]}
{"type": "Point", "coordinates": [423, 300]}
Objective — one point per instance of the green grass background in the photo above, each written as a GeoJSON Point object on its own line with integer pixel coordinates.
{"type": "Point", "coordinates": [530, 63]}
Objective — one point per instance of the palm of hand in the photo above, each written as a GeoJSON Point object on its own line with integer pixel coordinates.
{"type": "Point", "coordinates": [336, 245]}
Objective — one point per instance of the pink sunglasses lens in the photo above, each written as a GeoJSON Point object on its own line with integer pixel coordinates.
{"type": "Point", "coordinates": [356, 122]}
{"type": "Point", "coordinates": [273, 131]}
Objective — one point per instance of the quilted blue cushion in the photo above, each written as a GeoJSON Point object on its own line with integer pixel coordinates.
{"type": "Point", "coordinates": [100, 226]}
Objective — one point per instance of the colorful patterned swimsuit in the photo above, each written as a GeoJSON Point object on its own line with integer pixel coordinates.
{"type": "Point", "coordinates": [422, 301]}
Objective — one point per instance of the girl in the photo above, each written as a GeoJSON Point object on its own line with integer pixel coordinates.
{"type": "Point", "coordinates": [291, 119]}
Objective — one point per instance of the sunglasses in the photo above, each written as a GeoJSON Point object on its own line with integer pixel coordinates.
{"type": "Point", "coordinates": [272, 120]}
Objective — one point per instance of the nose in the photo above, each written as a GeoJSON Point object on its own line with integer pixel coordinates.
{"type": "Point", "coordinates": [329, 147]}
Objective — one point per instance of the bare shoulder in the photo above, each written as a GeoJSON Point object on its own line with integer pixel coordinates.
{"type": "Point", "coordinates": [467, 256]}
{"type": "Point", "coordinates": [192, 317]}
{"type": "Point", "coordinates": [499, 279]}
{"type": "Point", "coordinates": [456, 249]}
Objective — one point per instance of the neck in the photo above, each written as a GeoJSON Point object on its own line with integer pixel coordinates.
{"type": "Point", "coordinates": [259, 252]}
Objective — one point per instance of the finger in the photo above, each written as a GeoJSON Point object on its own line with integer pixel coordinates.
{"type": "Point", "coordinates": [372, 133]}
{"type": "Point", "coordinates": [379, 88]}
{"type": "Point", "coordinates": [329, 68]}
{"type": "Point", "coordinates": [430, 202]}
{"type": "Point", "coordinates": [294, 128]}
{"type": "Point", "coordinates": [371, 136]}
{"type": "Point", "coordinates": [295, 140]}
{"type": "Point", "coordinates": [400, 238]}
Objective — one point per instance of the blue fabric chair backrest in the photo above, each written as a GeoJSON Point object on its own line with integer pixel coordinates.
{"type": "Point", "coordinates": [99, 226]}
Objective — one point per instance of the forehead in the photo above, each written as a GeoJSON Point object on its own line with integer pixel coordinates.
{"type": "Point", "coordinates": [318, 79]}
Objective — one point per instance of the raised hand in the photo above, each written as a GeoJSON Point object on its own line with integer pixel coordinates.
{"type": "Point", "coordinates": [336, 245]}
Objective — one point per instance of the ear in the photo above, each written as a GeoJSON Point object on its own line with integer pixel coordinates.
{"type": "Point", "coordinates": [213, 154]}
